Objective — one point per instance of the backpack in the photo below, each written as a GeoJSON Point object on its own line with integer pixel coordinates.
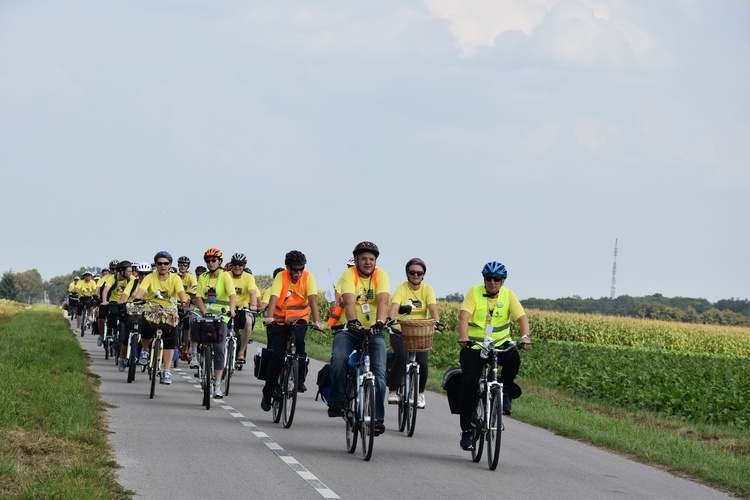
{"type": "Point", "coordinates": [324, 384]}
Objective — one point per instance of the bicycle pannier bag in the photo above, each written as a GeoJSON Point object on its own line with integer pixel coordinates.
{"type": "Point", "coordinates": [324, 384]}
{"type": "Point", "coordinates": [208, 330]}
{"type": "Point", "coordinates": [452, 386]}
{"type": "Point", "coordinates": [261, 360]}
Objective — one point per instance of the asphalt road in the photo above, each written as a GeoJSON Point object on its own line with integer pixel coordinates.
{"type": "Point", "coordinates": [171, 445]}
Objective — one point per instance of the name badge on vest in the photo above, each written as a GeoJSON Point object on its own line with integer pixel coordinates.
{"type": "Point", "coordinates": [366, 308]}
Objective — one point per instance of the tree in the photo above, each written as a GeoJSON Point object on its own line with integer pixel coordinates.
{"type": "Point", "coordinates": [263, 281]}
{"type": "Point", "coordinates": [9, 287]}
{"type": "Point", "coordinates": [30, 286]}
{"type": "Point", "coordinates": [454, 297]}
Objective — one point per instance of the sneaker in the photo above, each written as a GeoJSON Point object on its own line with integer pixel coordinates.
{"type": "Point", "coordinates": [99, 341]}
{"type": "Point", "coordinates": [301, 387]}
{"type": "Point", "coordinates": [121, 364]}
{"type": "Point", "coordinates": [166, 377]}
{"type": "Point", "coordinates": [393, 398]}
{"type": "Point", "coordinates": [466, 442]}
{"type": "Point", "coordinates": [337, 409]}
{"type": "Point", "coordinates": [194, 362]}
{"type": "Point", "coordinates": [421, 402]}
{"type": "Point", "coordinates": [265, 403]}
{"type": "Point", "coordinates": [217, 390]}
{"type": "Point", "coordinates": [144, 357]}
{"type": "Point", "coordinates": [379, 428]}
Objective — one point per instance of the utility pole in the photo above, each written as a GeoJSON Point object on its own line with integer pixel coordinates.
{"type": "Point", "coordinates": [614, 272]}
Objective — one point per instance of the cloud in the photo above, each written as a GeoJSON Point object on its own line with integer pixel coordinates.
{"type": "Point", "coordinates": [593, 133]}
{"type": "Point", "coordinates": [580, 33]}
{"type": "Point", "coordinates": [50, 78]}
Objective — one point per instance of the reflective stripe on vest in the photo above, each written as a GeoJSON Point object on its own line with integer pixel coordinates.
{"type": "Point", "coordinates": [500, 316]}
{"type": "Point", "coordinates": [292, 305]}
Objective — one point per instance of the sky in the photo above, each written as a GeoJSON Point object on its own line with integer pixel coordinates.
{"type": "Point", "coordinates": [532, 132]}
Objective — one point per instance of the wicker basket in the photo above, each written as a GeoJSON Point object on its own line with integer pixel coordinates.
{"type": "Point", "coordinates": [417, 334]}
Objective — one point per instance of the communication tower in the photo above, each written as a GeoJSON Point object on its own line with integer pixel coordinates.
{"type": "Point", "coordinates": [614, 272]}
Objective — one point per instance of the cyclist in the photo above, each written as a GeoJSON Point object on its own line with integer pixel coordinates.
{"type": "Point", "coordinates": [160, 289]}
{"type": "Point", "coordinates": [488, 309]}
{"type": "Point", "coordinates": [85, 288]}
{"type": "Point", "coordinates": [73, 297]}
{"type": "Point", "coordinates": [366, 292]}
{"type": "Point", "coordinates": [190, 284]}
{"type": "Point", "coordinates": [415, 292]}
{"type": "Point", "coordinates": [294, 297]}
{"type": "Point", "coordinates": [107, 279]}
{"type": "Point", "coordinates": [246, 297]}
{"type": "Point", "coordinates": [215, 292]}
{"type": "Point", "coordinates": [114, 296]}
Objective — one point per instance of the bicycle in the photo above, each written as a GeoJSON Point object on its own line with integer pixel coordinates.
{"type": "Point", "coordinates": [488, 415]}
{"type": "Point", "coordinates": [417, 336]}
{"type": "Point", "coordinates": [284, 399]}
{"type": "Point", "coordinates": [85, 303]}
{"type": "Point", "coordinates": [230, 355]}
{"type": "Point", "coordinates": [134, 315]}
{"type": "Point", "coordinates": [110, 343]}
{"type": "Point", "coordinates": [155, 362]}
{"type": "Point", "coordinates": [206, 331]}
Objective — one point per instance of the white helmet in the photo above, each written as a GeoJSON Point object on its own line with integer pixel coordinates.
{"type": "Point", "coordinates": [144, 267]}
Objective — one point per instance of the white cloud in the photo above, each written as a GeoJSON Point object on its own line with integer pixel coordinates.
{"type": "Point", "coordinates": [571, 33]}
{"type": "Point", "coordinates": [50, 78]}
{"type": "Point", "coordinates": [593, 134]}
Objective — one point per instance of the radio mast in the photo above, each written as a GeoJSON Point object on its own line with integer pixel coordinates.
{"type": "Point", "coordinates": [614, 272]}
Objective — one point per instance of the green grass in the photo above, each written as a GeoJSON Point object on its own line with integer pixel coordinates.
{"type": "Point", "coordinates": [53, 439]}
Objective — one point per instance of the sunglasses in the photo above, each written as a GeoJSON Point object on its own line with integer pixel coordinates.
{"type": "Point", "coordinates": [494, 277]}
{"type": "Point", "coordinates": [296, 269]}
{"type": "Point", "coordinates": [416, 273]}
{"type": "Point", "coordinates": [183, 265]}
{"type": "Point", "coordinates": [238, 265]}
{"type": "Point", "coordinates": [163, 263]}
{"type": "Point", "coordinates": [214, 259]}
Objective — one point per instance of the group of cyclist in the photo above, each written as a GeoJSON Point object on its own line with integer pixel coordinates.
{"type": "Point", "coordinates": [362, 306]}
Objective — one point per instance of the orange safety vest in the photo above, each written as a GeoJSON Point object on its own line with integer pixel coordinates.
{"type": "Point", "coordinates": [293, 304]}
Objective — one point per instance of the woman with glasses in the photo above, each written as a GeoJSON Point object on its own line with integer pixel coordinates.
{"type": "Point", "coordinates": [160, 289]}
{"type": "Point", "coordinates": [487, 310]}
{"type": "Point", "coordinates": [421, 297]}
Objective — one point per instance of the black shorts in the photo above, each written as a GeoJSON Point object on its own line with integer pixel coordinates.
{"type": "Point", "coordinates": [167, 335]}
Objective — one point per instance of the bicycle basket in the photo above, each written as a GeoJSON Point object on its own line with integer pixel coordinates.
{"type": "Point", "coordinates": [208, 330]}
{"type": "Point", "coordinates": [134, 312]}
{"type": "Point", "coordinates": [417, 334]}
{"type": "Point", "coordinates": [161, 317]}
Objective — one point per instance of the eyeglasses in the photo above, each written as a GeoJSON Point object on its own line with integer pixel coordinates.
{"type": "Point", "coordinates": [494, 277]}
{"type": "Point", "coordinates": [163, 263]}
{"type": "Point", "coordinates": [416, 273]}
{"type": "Point", "coordinates": [296, 269]}
{"type": "Point", "coordinates": [212, 259]}
{"type": "Point", "coordinates": [238, 265]}
{"type": "Point", "coordinates": [183, 265]}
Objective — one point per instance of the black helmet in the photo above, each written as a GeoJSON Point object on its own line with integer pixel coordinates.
{"type": "Point", "coordinates": [239, 258]}
{"type": "Point", "coordinates": [124, 264]}
{"type": "Point", "coordinates": [113, 264]}
{"type": "Point", "coordinates": [183, 261]}
{"type": "Point", "coordinates": [295, 258]}
{"type": "Point", "coordinates": [416, 262]}
{"type": "Point", "coordinates": [200, 270]}
{"type": "Point", "coordinates": [366, 246]}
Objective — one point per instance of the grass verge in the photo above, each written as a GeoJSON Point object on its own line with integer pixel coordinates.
{"type": "Point", "coordinates": [53, 436]}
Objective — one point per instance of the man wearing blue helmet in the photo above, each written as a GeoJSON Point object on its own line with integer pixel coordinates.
{"type": "Point", "coordinates": [487, 311]}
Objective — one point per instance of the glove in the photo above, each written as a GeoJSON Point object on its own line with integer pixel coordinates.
{"type": "Point", "coordinates": [439, 326]}
{"type": "Point", "coordinates": [354, 325]}
{"type": "Point", "coordinates": [378, 327]}
{"type": "Point", "coordinates": [405, 309]}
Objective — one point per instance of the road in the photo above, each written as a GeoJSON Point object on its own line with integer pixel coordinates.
{"type": "Point", "coordinates": [172, 445]}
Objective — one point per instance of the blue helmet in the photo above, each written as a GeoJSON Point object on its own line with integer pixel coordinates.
{"type": "Point", "coordinates": [495, 267]}
{"type": "Point", "coordinates": [163, 253]}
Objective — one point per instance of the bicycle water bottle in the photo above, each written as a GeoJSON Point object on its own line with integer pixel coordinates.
{"type": "Point", "coordinates": [353, 359]}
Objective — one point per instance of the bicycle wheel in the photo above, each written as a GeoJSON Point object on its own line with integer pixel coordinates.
{"type": "Point", "coordinates": [279, 394]}
{"type": "Point", "coordinates": [132, 360]}
{"type": "Point", "coordinates": [290, 394]}
{"type": "Point", "coordinates": [83, 325]}
{"type": "Point", "coordinates": [494, 428]}
{"type": "Point", "coordinates": [367, 424]}
{"type": "Point", "coordinates": [154, 362]}
{"type": "Point", "coordinates": [352, 427]}
{"type": "Point", "coordinates": [477, 431]}
{"type": "Point", "coordinates": [412, 398]}
{"type": "Point", "coordinates": [402, 406]}
{"type": "Point", "coordinates": [106, 348]}
{"type": "Point", "coordinates": [229, 368]}
{"type": "Point", "coordinates": [206, 376]}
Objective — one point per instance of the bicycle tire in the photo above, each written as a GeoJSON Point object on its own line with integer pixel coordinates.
{"type": "Point", "coordinates": [132, 359]}
{"type": "Point", "coordinates": [477, 432]}
{"type": "Point", "coordinates": [412, 399]}
{"type": "Point", "coordinates": [154, 362]}
{"type": "Point", "coordinates": [494, 428]}
{"type": "Point", "coordinates": [289, 399]}
{"type": "Point", "coordinates": [83, 325]}
{"type": "Point", "coordinates": [367, 423]}
{"type": "Point", "coordinates": [106, 348]}
{"type": "Point", "coordinates": [278, 395]}
{"type": "Point", "coordinates": [229, 367]}
{"type": "Point", "coordinates": [206, 377]}
{"type": "Point", "coordinates": [402, 411]}
{"type": "Point", "coordinates": [352, 428]}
